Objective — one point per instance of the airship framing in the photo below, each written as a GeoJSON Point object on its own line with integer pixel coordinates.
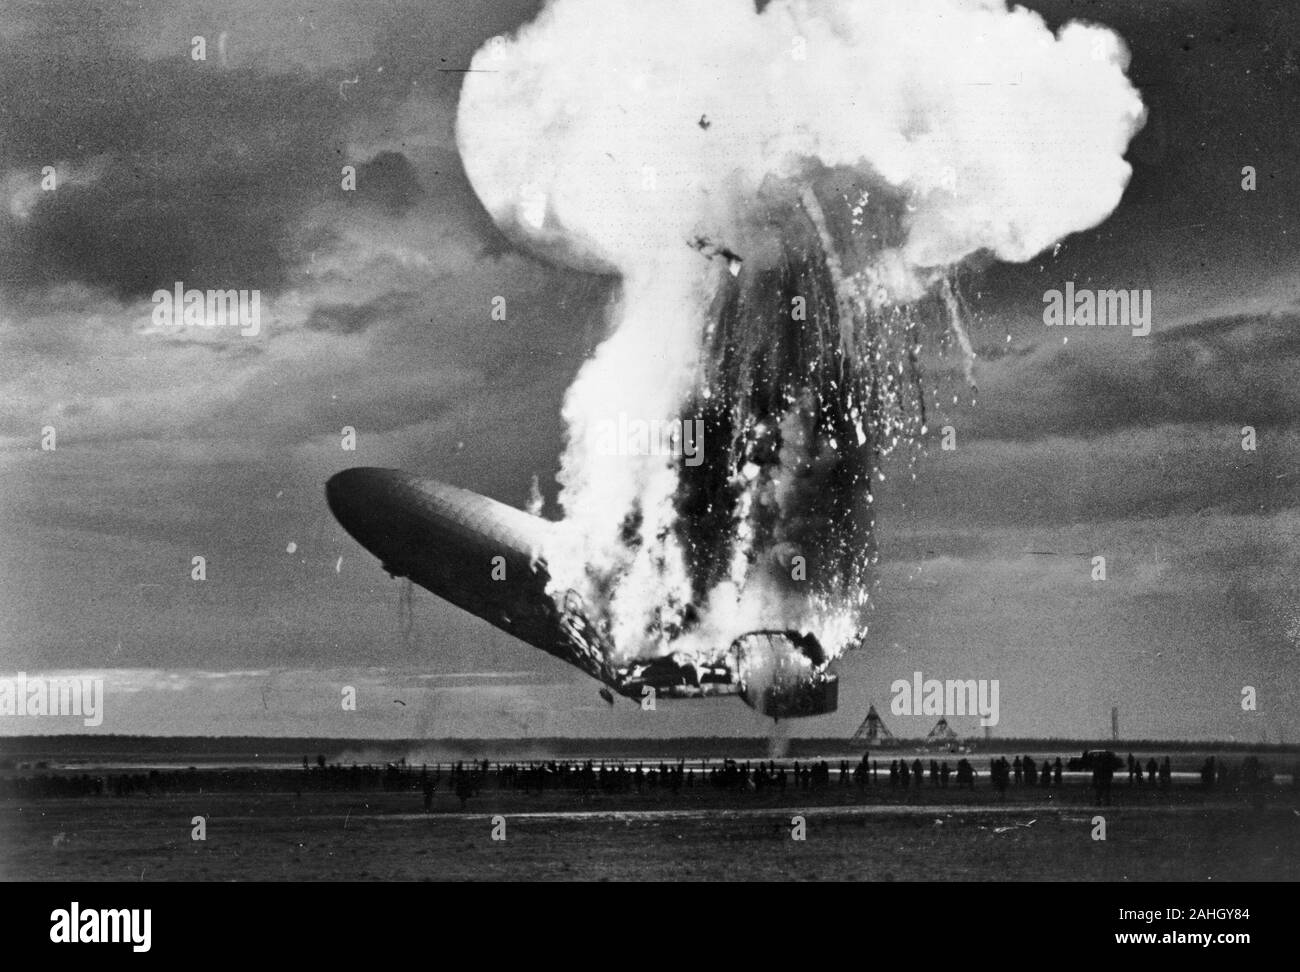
{"type": "Point", "coordinates": [448, 540]}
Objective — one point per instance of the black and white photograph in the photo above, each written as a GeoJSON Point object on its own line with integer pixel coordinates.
{"type": "Point", "coordinates": [651, 441]}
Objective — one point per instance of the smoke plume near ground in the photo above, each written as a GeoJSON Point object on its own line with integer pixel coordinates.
{"type": "Point", "coordinates": [783, 194]}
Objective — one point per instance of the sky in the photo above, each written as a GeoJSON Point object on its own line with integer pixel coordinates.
{"type": "Point", "coordinates": [376, 310]}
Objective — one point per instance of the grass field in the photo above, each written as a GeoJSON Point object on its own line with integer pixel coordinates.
{"type": "Point", "coordinates": [1182, 834]}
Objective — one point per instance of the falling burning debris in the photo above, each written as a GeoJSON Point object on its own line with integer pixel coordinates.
{"type": "Point", "coordinates": [854, 175]}
{"type": "Point", "coordinates": [535, 499]}
{"type": "Point", "coordinates": [711, 250]}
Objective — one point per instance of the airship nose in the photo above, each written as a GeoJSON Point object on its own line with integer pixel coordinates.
{"type": "Point", "coordinates": [356, 495]}
{"type": "Point", "coordinates": [342, 489]}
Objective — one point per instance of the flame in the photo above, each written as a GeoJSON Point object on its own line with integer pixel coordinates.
{"type": "Point", "coordinates": [776, 266]}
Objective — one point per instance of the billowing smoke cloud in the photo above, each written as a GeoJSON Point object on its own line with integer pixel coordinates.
{"type": "Point", "coordinates": [783, 194]}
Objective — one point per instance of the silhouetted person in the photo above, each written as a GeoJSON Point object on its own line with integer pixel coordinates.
{"type": "Point", "coordinates": [1166, 774]}
{"type": "Point", "coordinates": [1031, 772]}
{"type": "Point", "coordinates": [1057, 771]}
{"type": "Point", "coordinates": [918, 771]}
{"type": "Point", "coordinates": [1018, 770]}
{"type": "Point", "coordinates": [944, 773]}
{"type": "Point", "coordinates": [465, 789]}
{"type": "Point", "coordinates": [1152, 770]}
{"type": "Point", "coordinates": [1102, 773]}
{"type": "Point", "coordinates": [904, 774]}
{"type": "Point", "coordinates": [934, 772]}
{"type": "Point", "coordinates": [893, 773]}
{"type": "Point", "coordinates": [1132, 769]}
{"type": "Point", "coordinates": [1000, 775]}
{"type": "Point", "coordinates": [965, 774]}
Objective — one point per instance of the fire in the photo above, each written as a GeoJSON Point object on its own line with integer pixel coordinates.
{"type": "Point", "coordinates": [776, 266]}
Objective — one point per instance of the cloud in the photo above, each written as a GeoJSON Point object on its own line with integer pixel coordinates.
{"type": "Point", "coordinates": [353, 318]}
{"type": "Point", "coordinates": [388, 181]}
{"type": "Point", "coordinates": [1228, 371]}
{"type": "Point", "coordinates": [205, 176]}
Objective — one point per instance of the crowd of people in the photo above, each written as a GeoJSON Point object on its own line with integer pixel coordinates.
{"type": "Point", "coordinates": [905, 776]}
{"type": "Point", "coordinates": [466, 778]}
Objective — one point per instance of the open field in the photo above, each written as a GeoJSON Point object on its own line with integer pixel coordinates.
{"type": "Point", "coordinates": [703, 833]}
{"type": "Point", "coordinates": [123, 809]}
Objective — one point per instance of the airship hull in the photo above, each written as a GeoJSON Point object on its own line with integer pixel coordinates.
{"type": "Point", "coordinates": [490, 560]}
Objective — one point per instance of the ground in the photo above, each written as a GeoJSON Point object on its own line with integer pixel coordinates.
{"type": "Point", "coordinates": [699, 834]}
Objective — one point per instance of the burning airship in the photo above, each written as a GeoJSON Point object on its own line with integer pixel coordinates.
{"type": "Point", "coordinates": [857, 152]}
{"type": "Point", "coordinates": [490, 560]}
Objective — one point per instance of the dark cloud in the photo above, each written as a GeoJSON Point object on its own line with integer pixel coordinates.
{"type": "Point", "coordinates": [389, 182]}
{"type": "Point", "coordinates": [172, 171]}
{"type": "Point", "coordinates": [1230, 371]}
{"type": "Point", "coordinates": [219, 174]}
